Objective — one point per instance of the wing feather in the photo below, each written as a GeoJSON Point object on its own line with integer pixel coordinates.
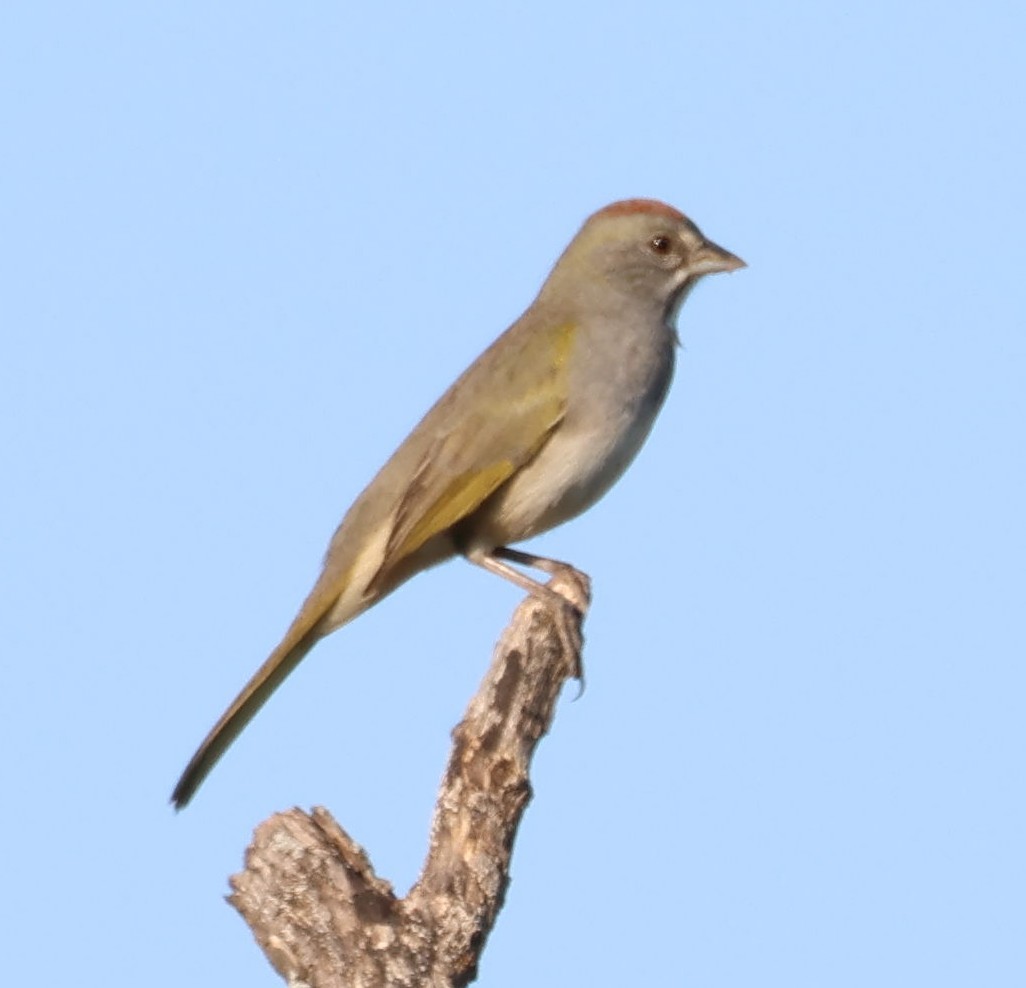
{"type": "Point", "coordinates": [461, 469]}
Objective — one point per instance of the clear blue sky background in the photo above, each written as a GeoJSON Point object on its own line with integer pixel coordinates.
{"type": "Point", "coordinates": [245, 245]}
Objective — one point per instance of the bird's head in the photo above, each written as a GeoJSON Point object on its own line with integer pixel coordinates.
{"type": "Point", "coordinates": [639, 248]}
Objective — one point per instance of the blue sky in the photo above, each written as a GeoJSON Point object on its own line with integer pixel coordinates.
{"type": "Point", "coordinates": [246, 245]}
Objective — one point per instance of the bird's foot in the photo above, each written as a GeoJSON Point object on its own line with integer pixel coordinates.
{"type": "Point", "coordinates": [567, 595]}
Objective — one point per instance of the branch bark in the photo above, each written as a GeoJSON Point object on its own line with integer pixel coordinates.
{"type": "Point", "coordinates": [308, 890]}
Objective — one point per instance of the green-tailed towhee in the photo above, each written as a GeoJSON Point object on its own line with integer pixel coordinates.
{"type": "Point", "coordinates": [534, 432]}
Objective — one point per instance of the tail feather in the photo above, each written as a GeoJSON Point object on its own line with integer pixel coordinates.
{"type": "Point", "coordinates": [321, 613]}
{"type": "Point", "coordinates": [244, 708]}
{"type": "Point", "coordinates": [340, 594]}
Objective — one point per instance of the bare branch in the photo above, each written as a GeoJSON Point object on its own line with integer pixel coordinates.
{"type": "Point", "coordinates": [309, 893]}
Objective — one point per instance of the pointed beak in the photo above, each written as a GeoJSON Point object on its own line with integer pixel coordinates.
{"type": "Point", "coordinates": [711, 258]}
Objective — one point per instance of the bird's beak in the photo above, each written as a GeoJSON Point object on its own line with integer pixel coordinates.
{"type": "Point", "coordinates": [711, 258]}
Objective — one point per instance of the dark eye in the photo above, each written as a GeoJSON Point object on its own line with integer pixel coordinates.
{"type": "Point", "coordinates": [660, 244]}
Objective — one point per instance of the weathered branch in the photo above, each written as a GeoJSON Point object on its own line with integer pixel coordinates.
{"type": "Point", "coordinates": [309, 893]}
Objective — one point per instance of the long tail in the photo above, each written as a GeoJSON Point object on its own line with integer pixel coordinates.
{"type": "Point", "coordinates": [244, 708]}
{"type": "Point", "coordinates": [346, 587]}
{"type": "Point", "coordinates": [324, 603]}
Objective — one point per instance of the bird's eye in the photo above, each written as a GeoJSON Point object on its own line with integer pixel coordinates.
{"type": "Point", "coordinates": [660, 244]}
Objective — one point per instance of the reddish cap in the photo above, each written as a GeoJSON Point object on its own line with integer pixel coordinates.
{"type": "Point", "coordinates": [652, 207]}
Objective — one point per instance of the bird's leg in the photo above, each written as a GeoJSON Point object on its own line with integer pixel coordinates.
{"type": "Point", "coordinates": [566, 614]}
{"type": "Point", "coordinates": [551, 566]}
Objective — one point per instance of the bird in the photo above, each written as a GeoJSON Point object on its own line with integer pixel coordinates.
{"type": "Point", "coordinates": [532, 434]}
